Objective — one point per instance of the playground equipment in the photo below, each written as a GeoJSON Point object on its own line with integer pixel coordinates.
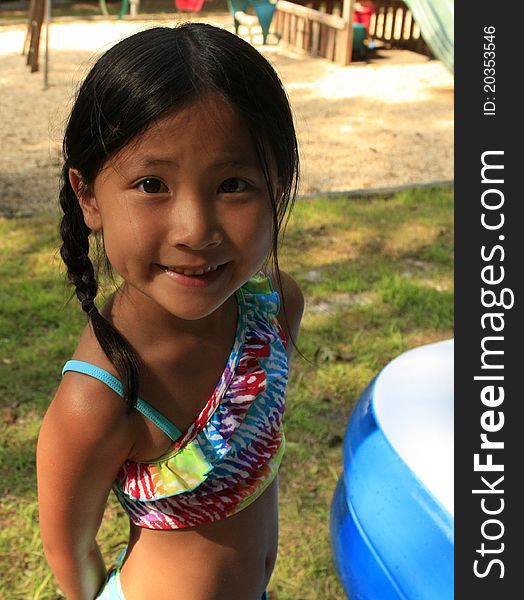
{"type": "Point", "coordinates": [363, 12]}
{"type": "Point", "coordinates": [436, 21]}
{"type": "Point", "coordinates": [392, 511]}
{"type": "Point", "coordinates": [360, 35]}
{"type": "Point", "coordinates": [264, 11]}
{"type": "Point", "coordinates": [362, 41]}
{"type": "Point", "coordinates": [189, 5]}
{"type": "Point", "coordinates": [324, 27]}
{"type": "Point", "coordinates": [133, 5]}
{"type": "Point", "coordinates": [334, 29]}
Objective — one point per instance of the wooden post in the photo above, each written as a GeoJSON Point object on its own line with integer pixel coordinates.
{"type": "Point", "coordinates": [315, 44]}
{"type": "Point", "coordinates": [307, 34]}
{"type": "Point", "coordinates": [330, 49]}
{"type": "Point", "coordinates": [323, 40]}
{"type": "Point", "coordinates": [344, 45]}
{"type": "Point", "coordinates": [403, 24]}
{"type": "Point", "coordinates": [299, 42]}
{"type": "Point", "coordinates": [47, 27]}
{"type": "Point", "coordinates": [27, 39]}
{"type": "Point", "coordinates": [278, 21]}
{"type": "Point", "coordinates": [285, 29]}
{"type": "Point", "coordinates": [36, 28]}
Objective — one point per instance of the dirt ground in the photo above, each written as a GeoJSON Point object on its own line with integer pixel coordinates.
{"type": "Point", "coordinates": [384, 122]}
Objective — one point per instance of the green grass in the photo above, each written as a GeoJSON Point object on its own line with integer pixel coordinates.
{"type": "Point", "coordinates": [377, 275]}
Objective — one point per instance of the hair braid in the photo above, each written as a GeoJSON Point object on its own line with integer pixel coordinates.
{"type": "Point", "coordinates": [81, 273]}
{"type": "Point", "coordinates": [75, 247]}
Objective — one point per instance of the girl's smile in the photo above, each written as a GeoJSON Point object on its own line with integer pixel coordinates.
{"type": "Point", "coordinates": [196, 276]}
{"type": "Point", "coordinates": [185, 210]}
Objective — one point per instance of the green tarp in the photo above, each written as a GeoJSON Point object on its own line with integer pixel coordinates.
{"type": "Point", "coordinates": [436, 21]}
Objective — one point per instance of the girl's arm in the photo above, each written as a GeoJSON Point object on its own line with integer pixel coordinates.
{"type": "Point", "coordinates": [84, 439]}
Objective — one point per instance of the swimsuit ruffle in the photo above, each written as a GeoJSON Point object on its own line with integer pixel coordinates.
{"type": "Point", "coordinates": [205, 446]}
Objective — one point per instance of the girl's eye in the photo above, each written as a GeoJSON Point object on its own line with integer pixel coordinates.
{"type": "Point", "coordinates": [233, 185]}
{"type": "Point", "coordinates": [152, 186]}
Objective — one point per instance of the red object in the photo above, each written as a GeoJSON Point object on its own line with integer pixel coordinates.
{"type": "Point", "coordinates": [190, 5]}
{"type": "Point", "coordinates": [363, 12]}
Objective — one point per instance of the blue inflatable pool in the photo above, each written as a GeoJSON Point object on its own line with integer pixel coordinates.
{"type": "Point", "coordinates": [392, 511]}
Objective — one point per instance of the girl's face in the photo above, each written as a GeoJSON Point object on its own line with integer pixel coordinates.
{"type": "Point", "coordinates": [188, 195]}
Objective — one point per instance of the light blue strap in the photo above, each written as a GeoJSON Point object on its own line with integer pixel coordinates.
{"type": "Point", "coordinates": [163, 423]}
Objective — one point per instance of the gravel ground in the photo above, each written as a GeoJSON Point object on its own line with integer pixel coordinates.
{"type": "Point", "coordinates": [387, 122]}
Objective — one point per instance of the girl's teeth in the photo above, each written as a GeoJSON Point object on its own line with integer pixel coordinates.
{"type": "Point", "coordinates": [197, 272]}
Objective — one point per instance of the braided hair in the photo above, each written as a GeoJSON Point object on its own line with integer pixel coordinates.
{"type": "Point", "coordinates": [81, 273]}
{"type": "Point", "coordinates": [138, 81]}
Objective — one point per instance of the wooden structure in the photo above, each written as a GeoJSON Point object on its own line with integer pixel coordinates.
{"type": "Point", "coordinates": [39, 17]}
{"type": "Point", "coordinates": [37, 11]}
{"type": "Point", "coordinates": [315, 31]}
{"type": "Point", "coordinates": [394, 25]}
{"type": "Point", "coordinates": [325, 27]}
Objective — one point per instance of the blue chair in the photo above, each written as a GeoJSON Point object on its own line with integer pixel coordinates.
{"type": "Point", "coordinates": [264, 10]}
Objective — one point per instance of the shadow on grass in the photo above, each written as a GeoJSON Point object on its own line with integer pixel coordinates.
{"type": "Point", "coordinates": [371, 297]}
{"type": "Point", "coordinates": [17, 465]}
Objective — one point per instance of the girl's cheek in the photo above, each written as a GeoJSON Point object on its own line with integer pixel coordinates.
{"type": "Point", "coordinates": [115, 256]}
{"type": "Point", "coordinates": [124, 244]}
{"type": "Point", "coordinates": [260, 242]}
{"type": "Point", "coordinates": [264, 231]}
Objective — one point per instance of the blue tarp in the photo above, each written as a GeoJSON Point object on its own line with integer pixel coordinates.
{"type": "Point", "coordinates": [436, 21]}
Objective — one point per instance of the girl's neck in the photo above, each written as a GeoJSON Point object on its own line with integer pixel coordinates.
{"type": "Point", "coordinates": [144, 323]}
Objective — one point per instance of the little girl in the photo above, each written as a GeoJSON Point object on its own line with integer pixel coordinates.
{"type": "Point", "coordinates": [181, 158]}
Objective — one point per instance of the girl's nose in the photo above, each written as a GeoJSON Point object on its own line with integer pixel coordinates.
{"type": "Point", "coordinates": [194, 223]}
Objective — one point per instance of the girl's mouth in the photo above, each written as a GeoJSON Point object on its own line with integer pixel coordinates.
{"type": "Point", "coordinates": [201, 277]}
{"type": "Point", "coordinates": [190, 272]}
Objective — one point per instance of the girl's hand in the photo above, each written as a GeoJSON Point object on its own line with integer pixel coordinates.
{"type": "Point", "coordinates": [86, 436]}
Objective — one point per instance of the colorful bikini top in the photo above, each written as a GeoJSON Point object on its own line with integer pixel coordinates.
{"type": "Point", "coordinates": [231, 452]}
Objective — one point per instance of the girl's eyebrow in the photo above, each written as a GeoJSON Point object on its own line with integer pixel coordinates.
{"type": "Point", "coordinates": [151, 161]}
{"type": "Point", "coordinates": [233, 162]}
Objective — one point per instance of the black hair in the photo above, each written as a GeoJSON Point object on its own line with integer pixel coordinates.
{"type": "Point", "coordinates": [136, 82]}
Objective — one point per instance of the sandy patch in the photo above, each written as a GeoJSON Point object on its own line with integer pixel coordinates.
{"type": "Point", "coordinates": [385, 123]}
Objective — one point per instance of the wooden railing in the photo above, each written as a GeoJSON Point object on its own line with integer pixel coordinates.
{"type": "Point", "coordinates": [394, 25]}
{"type": "Point", "coordinates": [322, 27]}
{"type": "Point", "coordinates": [316, 32]}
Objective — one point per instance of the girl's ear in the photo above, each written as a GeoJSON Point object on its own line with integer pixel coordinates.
{"type": "Point", "coordinates": [87, 201]}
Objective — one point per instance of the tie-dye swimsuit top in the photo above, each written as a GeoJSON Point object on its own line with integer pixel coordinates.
{"type": "Point", "coordinates": [231, 453]}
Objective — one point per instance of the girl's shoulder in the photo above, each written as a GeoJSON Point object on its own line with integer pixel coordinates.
{"type": "Point", "coordinates": [290, 291]}
{"type": "Point", "coordinates": [88, 405]}
{"type": "Point", "coordinates": [292, 301]}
